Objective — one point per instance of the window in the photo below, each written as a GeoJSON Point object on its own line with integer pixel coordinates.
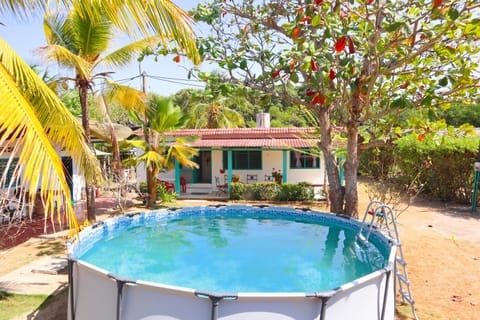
{"type": "Point", "coordinates": [10, 174]}
{"type": "Point", "coordinates": [302, 159]}
{"type": "Point", "coordinates": [244, 159]}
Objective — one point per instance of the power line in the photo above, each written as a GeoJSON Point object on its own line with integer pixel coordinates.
{"type": "Point", "coordinates": [180, 81]}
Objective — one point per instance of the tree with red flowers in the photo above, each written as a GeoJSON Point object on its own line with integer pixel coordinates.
{"type": "Point", "coordinates": [361, 66]}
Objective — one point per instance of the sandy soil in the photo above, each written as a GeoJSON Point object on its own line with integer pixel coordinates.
{"type": "Point", "coordinates": [441, 244]}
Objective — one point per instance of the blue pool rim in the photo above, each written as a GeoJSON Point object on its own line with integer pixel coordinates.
{"type": "Point", "coordinates": [89, 236]}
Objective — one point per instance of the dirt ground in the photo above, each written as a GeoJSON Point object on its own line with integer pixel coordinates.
{"type": "Point", "coordinates": [441, 244]}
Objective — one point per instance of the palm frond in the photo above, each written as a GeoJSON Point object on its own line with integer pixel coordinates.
{"type": "Point", "coordinates": [150, 17]}
{"type": "Point", "coordinates": [127, 97]}
{"type": "Point", "coordinates": [33, 120]}
{"type": "Point", "coordinates": [66, 58]}
{"type": "Point", "coordinates": [124, 55]}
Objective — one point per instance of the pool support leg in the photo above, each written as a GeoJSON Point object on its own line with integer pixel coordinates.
{"type": "Point", "coordinates": [120, 284]}
{"type": "Point", "coordinates": [71, 262]}
{"type": "Point", "coordinates": [324, 299]}
{"type": "Point", "coordinates": [215, 298]}
{"type": "Point", "coordinates": [385, 294]}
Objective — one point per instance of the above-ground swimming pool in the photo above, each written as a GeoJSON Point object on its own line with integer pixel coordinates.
{"type": "Point", "coordinates": [230, 262]}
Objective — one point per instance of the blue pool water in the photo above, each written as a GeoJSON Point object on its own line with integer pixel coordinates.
{"type": "Point", "coordinates": [237, 251]}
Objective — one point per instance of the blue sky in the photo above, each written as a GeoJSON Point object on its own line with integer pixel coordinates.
{"type": "Point", "coordinates": [24, 37]}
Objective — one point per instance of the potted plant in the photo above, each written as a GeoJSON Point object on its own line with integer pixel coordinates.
{"type": "Point", "coordinates": [277, 175]}
{"type": "Point", "coordinates": [235, 178]}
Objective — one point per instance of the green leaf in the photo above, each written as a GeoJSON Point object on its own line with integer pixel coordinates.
{"type": "Point", "coordinates": [427, 101]}
{"type": "Point", "coordinates": [453, 13]}
{"type": "Point", "coordinates": [316, 20]}
{"type": "Point", "coordinates": [243, 64]}
{"type": "Point", "coordinates": [398, 103]}
{"type": "Point", "coordinates": [443, 82]}
{"type": "Point", "coordinates": [393, 27]}
{"type": "Point", "coordinates": [294, 77]}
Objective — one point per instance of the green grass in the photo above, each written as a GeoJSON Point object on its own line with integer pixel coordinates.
{"type": "Point", "coordinates": [13, 305]}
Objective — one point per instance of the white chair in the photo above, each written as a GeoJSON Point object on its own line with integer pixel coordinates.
{"type": "Point", "coordinates": [252, 178]}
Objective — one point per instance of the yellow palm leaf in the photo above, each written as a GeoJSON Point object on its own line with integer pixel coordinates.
{"type": "Point", "coordinates": [33, 120]}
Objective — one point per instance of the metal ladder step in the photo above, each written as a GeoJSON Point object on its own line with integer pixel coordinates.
{"type": "Point", "coordinates": [402, 277]}
{"type": "Point", "coordinates": [407, 297]}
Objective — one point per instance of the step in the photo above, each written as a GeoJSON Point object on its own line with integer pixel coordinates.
{"type": "Point", "coordinates": [403, 278]}
{"type": "Point", "coordinates": [407, 297]}
{"type": "Point", "coordinates": [401, 261]}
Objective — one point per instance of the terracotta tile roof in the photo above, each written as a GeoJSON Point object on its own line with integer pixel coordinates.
{"type": "Point", "coordinates": [251, 137]}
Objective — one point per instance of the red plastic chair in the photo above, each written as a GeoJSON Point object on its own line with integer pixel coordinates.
{"type": "Point", "coordinates": [168, 185]}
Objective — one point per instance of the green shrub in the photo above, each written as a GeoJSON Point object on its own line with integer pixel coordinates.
{"type": "Point", "coordinates": [443, 165]}
{"type": "Point", "coordinates": [272, 191]}
{"type": "Point", "coordinates": [295, 192]}
{"type": "Point", "coordinates": [162, 194]}
{"type": "Point", "coordinates": [264, 191]}
{"type": "Point", "coordinates": [237, 190]}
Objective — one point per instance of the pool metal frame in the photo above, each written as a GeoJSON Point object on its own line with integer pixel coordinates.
{"type": "Point", "coordinates": [173, 300]}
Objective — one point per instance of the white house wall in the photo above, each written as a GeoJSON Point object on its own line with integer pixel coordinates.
{"type": "Point", "coordinates": [271, 159]}
{"type": "Point", "coordinates": [78, 182]}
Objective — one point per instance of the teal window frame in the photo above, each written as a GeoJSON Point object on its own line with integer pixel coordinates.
{"type": "Point", "coordinates": [244, 159]}
{"type": "Point", "coordinates": [306, 158]}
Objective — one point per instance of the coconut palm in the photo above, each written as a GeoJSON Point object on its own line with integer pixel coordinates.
{"type": "Point", "coordinates": [158, 154]}
{"type": "Point", "coordinates": [81, 42]}
{"type": "Point", "coordinates": [33, 120]}
{"type": "Point", "coordinates": [217, 113]}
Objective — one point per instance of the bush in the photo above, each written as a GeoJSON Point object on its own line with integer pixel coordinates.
{"type": "Point", "coordinates": [272, 191]}
{"type": "Point", "coordinates": [237, 190]}
{"type": "Point", "coordinates": [162, 194]}
{"type": "Point", "coordinates": [264, 191]}
{"type": "Point", "coordinates": [295, 192]}
{"type": "Point", "coordinates": [442, 165]}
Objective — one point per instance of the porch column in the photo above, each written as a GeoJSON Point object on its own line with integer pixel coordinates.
{"type": "Point", "coordinates": [177, 177]}
{"type": "Point", "coordinates": [229, 165]}
{"type": "Point", "coordinates": [284, 166]}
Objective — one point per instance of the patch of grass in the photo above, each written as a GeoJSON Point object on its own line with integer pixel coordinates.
{"type": "Point", "coordinates": [14, 305]}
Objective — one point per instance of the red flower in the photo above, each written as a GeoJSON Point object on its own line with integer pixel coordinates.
{"type": "Point", "coordinates": [275, 73]}
{"type": "Point", "coordinates": [437, 3]}
{"type": "Point", "coordinates": [340, 44]}
{"type": "Point", "coordinates": [295, 33]}
{"type": "Point", "coordinates": [176, 59]}
{"type": "Point", "coordinates": [305, 19]}
{"type": "Point", "coordinates": [351, 46]}
{"type": "Point", "coordinates": [313, 65]}
{"type": "Point", "coordinates": [332, 74]}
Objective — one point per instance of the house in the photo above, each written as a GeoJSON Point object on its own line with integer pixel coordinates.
{"type": "Point", "coordinates": [253, 154]}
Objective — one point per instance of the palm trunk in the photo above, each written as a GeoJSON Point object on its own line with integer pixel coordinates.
{"type": "Point", "coordinates": [89, 189]}
{"type": "Point", "coordinates": [152, 187]}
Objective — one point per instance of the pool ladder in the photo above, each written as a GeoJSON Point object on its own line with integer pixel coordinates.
{"type": "Point", "coordinates": [382, 218]}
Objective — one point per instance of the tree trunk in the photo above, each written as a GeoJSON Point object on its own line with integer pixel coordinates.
{"type": "Point", "coordinates": [152, 188]}
{"type": "Point", "coordinates": [83, 86]}
{"type": "Point", "coordinates": [350, 172]}
{"type": "Point", "coordinates": [335, 190]}
{"type": "Point", "coordinates": [116, 161]}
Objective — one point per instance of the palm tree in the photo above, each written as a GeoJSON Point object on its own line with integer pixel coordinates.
{"type": "Point", "coordinates": [33, 120]}
{"type": "Point", "coordinates": [217, 113]}
{"type": "Point", "coordinates": [80, 42]}
{"type": "Point", "coordinates": [157, 153]}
